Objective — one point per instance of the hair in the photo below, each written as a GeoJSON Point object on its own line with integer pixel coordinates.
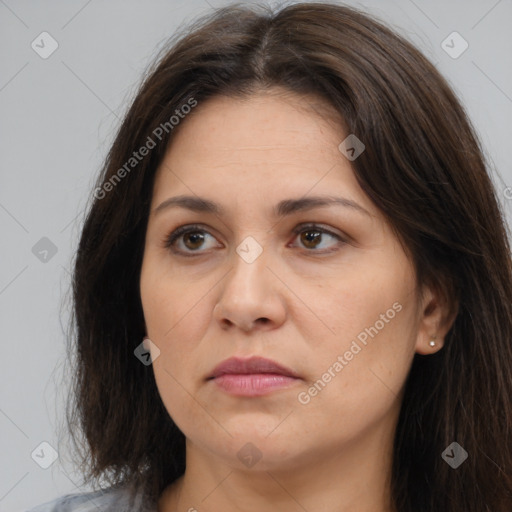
{"type": "Point", "coordinates": [423, 167]}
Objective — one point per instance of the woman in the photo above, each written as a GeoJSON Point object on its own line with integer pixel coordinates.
{"type": "Point", "coordinates": [293, 288]}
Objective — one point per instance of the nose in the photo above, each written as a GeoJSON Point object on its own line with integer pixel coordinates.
{"type": "Point", "coordinates": [250, 296]}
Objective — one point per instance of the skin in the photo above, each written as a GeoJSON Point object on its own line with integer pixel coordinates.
{"type": "Point", "coordinates": [293, 304]}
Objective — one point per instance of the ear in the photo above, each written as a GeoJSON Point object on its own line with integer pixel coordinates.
{"type": "Point", "coordinates": [437, 314]}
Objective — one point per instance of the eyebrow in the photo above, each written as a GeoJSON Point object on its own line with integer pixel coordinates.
{"type": "Point", "coordinates": [282, 209]}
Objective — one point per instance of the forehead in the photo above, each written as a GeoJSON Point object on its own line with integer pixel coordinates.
{"type": "Point", "coordinates": [258, 146]}
{"type": "Point", "coordinates": [263, 120]}
{"type": "Point", "coordinates": [265, 126]}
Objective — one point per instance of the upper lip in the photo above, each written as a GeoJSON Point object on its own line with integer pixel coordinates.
{"type": "Point", "coordinates": [255, 364]}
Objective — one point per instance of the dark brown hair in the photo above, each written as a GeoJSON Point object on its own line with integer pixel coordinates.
{"type": "Point", "coordinates": [423, 167]}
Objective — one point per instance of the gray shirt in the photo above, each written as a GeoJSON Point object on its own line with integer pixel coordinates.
{"type": "Point", "coordinates": [107, 500]}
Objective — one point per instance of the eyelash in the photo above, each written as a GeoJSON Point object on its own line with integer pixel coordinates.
{"type": "Point", "coordinates": [169, 240]}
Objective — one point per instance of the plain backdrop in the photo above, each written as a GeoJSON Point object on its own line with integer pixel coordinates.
{"type": "Point", "coordinates": [58, 117]}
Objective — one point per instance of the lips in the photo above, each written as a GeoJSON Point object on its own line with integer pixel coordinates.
{"type": "Point", "coordinates": [252, 365]}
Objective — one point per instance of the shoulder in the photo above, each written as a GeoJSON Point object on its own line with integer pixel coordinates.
{"type": "Point", "coordinates": [107, 500]}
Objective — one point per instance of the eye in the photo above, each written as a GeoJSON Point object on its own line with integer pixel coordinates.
{"type": "Point", "coordinates": [312, 235]}
{"type": "Point", "coordinates": [189, 239]}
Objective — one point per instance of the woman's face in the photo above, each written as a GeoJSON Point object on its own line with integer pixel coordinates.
{"type": "Point", "coordinates": [336, 302]}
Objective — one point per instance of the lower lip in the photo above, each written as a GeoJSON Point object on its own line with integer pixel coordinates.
{"type": "Point", "coordinates": [253, 384]}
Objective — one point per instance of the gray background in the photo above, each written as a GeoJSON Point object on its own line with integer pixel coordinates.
{"type": "Point", "coordinates": [58, 116]}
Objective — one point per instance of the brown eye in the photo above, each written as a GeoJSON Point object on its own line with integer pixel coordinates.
{"type": "Point", "coordinates": [312, 237]}
{"type": "Point", "coordinates": [187, 240]}
{"type": "Point", "coordinates": [193, 240]}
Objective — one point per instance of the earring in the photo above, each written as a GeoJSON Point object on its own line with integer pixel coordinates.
{"type": "Point", "coordinates": [432, 343]}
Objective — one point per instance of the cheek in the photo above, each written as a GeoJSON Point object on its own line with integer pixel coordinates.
{"type": "Point", "coordinates": [172, 318]}
{"type": "Point", "coordinates": [365, 302]}
{"type": "Point", "coordinates": [359, 373]}
{"type": "Point", "coordinates": [366, 355]}
{"type": "Point", "coordinates": [164, 297]}
{"type": "Point", "coordinates": [179, 374]}
{"type": "Point", "coordinates": [349, 294]}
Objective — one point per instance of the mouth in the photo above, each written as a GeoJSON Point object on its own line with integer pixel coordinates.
{"type": "Point", "coordinates": [252, 377]}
